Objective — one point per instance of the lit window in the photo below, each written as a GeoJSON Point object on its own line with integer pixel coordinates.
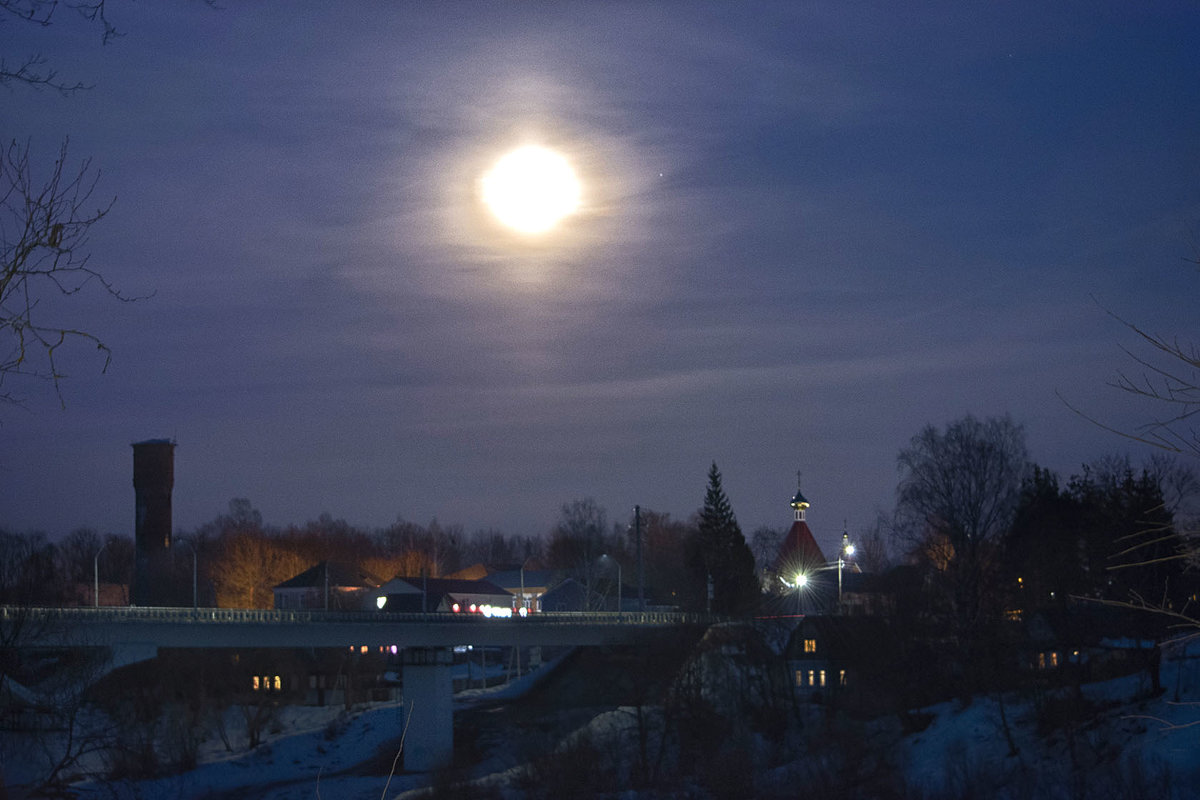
{"type": "Point", "coordinates": [1041, 661]}
{"type": "Point", "coordinates": [362, 649]}
{"type": "Point", "coordinates": [812, 678]}
{"type": "Point", "coordinates": [810, 645]}
{"type": "Point", "coordinates": [799, 677]}
{"type": "Point", "coordinates": [1054, 658]}
{"type": "Point", "coordinates": [278, 684]}
{"type": "Point", "coordinates": [841, 677]}
{"type": "Point", "coordinates": [822, 678]}
{"type": "Point", "coordinates": [255, 679]}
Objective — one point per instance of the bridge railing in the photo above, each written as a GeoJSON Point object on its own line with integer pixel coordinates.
{"type": "Point", "coordinates": [133, 614]}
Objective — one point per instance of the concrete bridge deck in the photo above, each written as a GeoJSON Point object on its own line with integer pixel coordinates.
{"type": "Point", "coordinates": [228, 627]}
{"type": "Point", "coordinates": [136, 634]}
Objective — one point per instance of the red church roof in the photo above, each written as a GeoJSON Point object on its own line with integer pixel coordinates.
{"type": "Point", "coordinates": [798, 551]}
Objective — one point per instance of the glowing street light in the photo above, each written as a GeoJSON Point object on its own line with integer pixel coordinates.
{"type": "Point", "coordinates": [801, 580]}
{"type": "Point", "coordinates": [846, 552]}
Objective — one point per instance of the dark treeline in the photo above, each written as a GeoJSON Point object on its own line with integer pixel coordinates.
{"type": "Point", "coordinates": [1114, 532]}
{"type": "Point", "coordinates": [988, 539]}
{"type": "Point", "coordinates": [239, 558]}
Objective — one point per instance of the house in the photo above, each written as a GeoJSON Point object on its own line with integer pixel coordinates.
{"type": "Point", "coordinates": [567, 595]}
{"type": "Point", "coordinates": [866, 594]}
{"type": "Point", "coordinates": [527, 585]}
{"type": "Point", "coordinates": [414, 595]}
{"type": "Point", "coordinates": [329, 585]}
{"type": "Point", "coordinates": [856, 663]}
{"type": "Point", "coordinates": [1081, 642]}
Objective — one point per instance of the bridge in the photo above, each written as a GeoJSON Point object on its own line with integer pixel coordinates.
{"type": "Point", "coordinates": [425, 641]}
{"type": "Point", "coordinates": [142, 627]}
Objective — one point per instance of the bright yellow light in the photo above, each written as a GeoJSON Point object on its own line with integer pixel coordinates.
{"type": "Point", "coordinates": [531, 189]}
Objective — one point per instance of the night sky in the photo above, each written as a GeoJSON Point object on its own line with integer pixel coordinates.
{"type": "Point", "coordinates": [807, 230]}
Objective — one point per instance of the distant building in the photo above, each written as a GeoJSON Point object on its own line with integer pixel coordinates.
{"type": "Point", "coordinates": [527, 586]}
{"type": "Point", "coordinates": [153, 481]}
{"type": "Point", "coordinates": [851, 662]}
{"type": "Point", "coordinates": [419, 594]}
{"type": "Point", "coordinates": [329, 585]}
{"type": "Point", "coordinates": [799, 552]}
{"type": "Point", "coordinates": [802, 579]}
{"type": "Point", "coordinates": [797, 573]}
{"type": "Point", "coordinates": [567, 595]}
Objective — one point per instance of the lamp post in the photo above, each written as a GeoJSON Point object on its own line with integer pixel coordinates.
{"type": "Point", "coordinates": [96, 576]}
{"type": "Point", "coordinates": [524, 600]}
{"type": "Point", "coordinates": [846, 552]}
{"type": "Point", "coordinates": [799, 584]}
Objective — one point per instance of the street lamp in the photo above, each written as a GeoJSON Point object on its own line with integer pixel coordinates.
{"type": "Point", "coordinates": [524, 601]}
{"type": "Point", "coordinates": [96, 576]}
{"type": "Point", "coordinates": [799, 583]}
{"type": "Point", "coordinates": [607, 557]}
{"type": "Point", "coordinates": [846, 552]}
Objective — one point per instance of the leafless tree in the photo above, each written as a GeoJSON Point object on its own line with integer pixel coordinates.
{"type": "Point", "coordinates": [1165, 375]}
{"type": "Point", "coordinates": [958, 493]}
{"type": "Point", "coordinates": [871, 552]}
{"type": "Point", "coordinates": [33, 70]}
{"type": "Point", "coordinates": [44, 228]}
{"type": "Point", "coordinates": [578, 542]}
{"type": "Point", "coordinates": [963, 483]}
{"type": "Point", "coordinates": [45, 219]}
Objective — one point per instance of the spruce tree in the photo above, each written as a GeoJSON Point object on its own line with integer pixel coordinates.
{"type": "Point", "coordinates": [720, 551]}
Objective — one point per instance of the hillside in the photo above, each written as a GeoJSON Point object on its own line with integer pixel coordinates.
{"type": "Point", "coordinates": [577, 731]}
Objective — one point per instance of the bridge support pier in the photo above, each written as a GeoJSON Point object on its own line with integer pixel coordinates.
{"type": "Point", "coordinates": [429, 697]}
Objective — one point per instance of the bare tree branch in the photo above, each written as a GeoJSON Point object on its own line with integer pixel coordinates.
{"type": "Point", "coordinates": [1174, 384]}
{"type": "Point", "coordinates": [44, 231]}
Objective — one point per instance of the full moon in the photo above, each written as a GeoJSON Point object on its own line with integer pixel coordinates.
{"type": "Point", "coordinates": [531, 189]}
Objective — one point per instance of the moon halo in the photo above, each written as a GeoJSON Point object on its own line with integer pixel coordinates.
{"type": "Point", "coordinates": [531, 190]}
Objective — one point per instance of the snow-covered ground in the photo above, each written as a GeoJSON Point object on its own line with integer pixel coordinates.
{"type": "Point", "coordinates": [309, 752]}
{"type": "Point", "coordinates": [1128, 738]}
{"type": "Point", "coordinates": [1127, 744]}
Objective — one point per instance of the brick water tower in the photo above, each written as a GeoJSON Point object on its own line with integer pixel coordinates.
{"type": "Point", "coordinates": [153, 480]}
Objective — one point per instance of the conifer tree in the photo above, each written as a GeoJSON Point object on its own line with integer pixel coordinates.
{"type": "Point", "coordinates": [719, 551]}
